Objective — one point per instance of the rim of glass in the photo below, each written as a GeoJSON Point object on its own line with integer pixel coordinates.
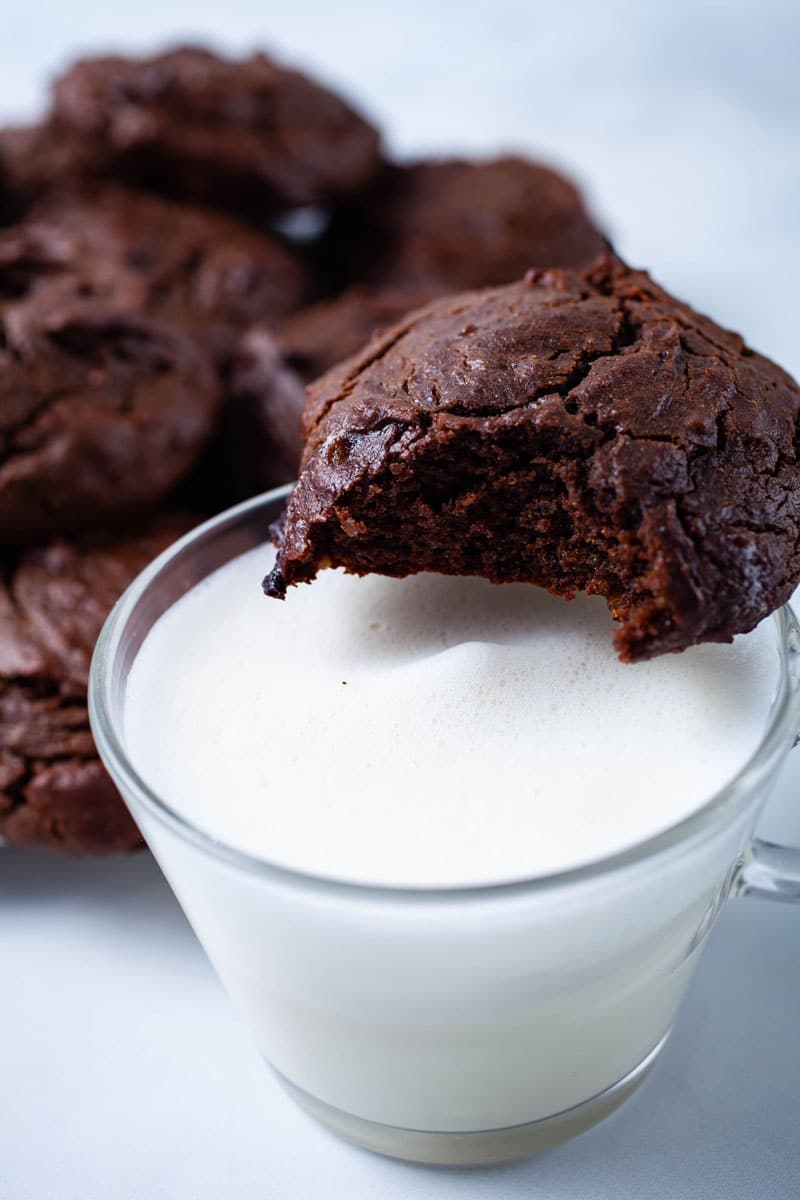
{"type": "Point", "coordinates": [779, 733]}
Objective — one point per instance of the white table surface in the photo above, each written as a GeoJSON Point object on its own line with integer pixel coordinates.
{"type": "Point", "coordinates": [124, 1074]}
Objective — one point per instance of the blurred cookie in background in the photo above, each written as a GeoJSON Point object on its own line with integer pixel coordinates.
{"type": "Point", "coordinates": [179, 262]}
{"type": "Point", "coordinates": [117, 310]}
{"type": "Point", "coordinates": [53, 601]}
{"type": "Point", "coordinates": [101, 414]}
{"type": "Point", "coordinates": [249, 134]}
{"type": "Point", "coordinates": [455, 224]}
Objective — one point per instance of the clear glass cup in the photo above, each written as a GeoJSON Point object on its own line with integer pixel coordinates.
{"type": "Point", "coordinates": [451, 1026]}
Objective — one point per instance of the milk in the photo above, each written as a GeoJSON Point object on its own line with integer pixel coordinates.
{"type": "Point", "coordinates": [431, 731]}
{"type": "Point", "coordinates": [426, 733]}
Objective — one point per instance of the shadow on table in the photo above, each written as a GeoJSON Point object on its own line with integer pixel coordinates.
{"type": "Point", "coordinates": [123, 883]}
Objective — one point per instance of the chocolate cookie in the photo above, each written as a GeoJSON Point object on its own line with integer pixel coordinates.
{"type": "Point", "coordinates": [580, 431]}
{"type": "Point", "coordinates": [316, 338]}
{"type": "Point", "coordinates": [457, 224]}
{"type": "Point", "coordinates": [258, 442]}
{"type": "Point", "coordinates": [53, 602]}
{"type": "Point", "coordinates": [247, 134]}
{"type": "Point", "coordinates": [101, 410]}
{"type": "Point", "coordinates": [172, 261]}
{"type": "Point", "coordinates": [113, 308]}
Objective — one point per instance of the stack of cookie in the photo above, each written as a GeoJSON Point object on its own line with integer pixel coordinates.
{"type": "Point", "coordinates": [185, 242]}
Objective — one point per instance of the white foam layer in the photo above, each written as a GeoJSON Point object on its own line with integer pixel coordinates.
{"type": "Point", "coordinates": [430, 731]}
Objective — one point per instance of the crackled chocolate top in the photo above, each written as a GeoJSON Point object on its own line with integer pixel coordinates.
{"type": "Point", "coordinates": [247, 134]}
{"type": "Point", "coordinates": [53, 602]}
{"type": "Point", "coordinates": [580, 431]}
{"type": "Point", "coordinates": [455, 224]}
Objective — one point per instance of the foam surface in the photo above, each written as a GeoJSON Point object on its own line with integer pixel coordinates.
{"type": "Point", "coordinates": [430, 731]}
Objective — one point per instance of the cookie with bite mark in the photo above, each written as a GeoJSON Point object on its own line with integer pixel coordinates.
{"type": "Point", "coordinates": [580, 431]}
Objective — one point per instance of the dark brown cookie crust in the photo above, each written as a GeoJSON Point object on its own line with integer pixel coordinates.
{"type": "Point", "coordinates": [53, 601]}
{"type": "Point", "coordinates": [456, 224]}
{"type": "Point", "coordinates": [583, 432]}
{"type": "Point", "coordinates": [249, 134]}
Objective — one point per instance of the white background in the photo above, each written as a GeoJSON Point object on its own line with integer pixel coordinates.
{"type": "Point", "coordinates": [123, 1073]}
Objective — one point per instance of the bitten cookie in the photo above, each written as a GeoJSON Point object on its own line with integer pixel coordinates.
{"type": "Point", "coordinates": [248, 134]}
{"type": "Point", "coordinates": [579, 431]}
{"type": "Point", "coordinates": [457, 224]}
{"type": "Point", "coordinates": [53, 602]}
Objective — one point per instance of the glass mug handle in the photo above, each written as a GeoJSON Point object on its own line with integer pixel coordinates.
{"type": "Point", "coordinates": [770, 870]}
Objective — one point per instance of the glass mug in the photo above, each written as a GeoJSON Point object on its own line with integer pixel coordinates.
{"type": "Point", "coordinates": [451, 1026]}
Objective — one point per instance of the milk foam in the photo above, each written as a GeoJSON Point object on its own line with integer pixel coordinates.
{"type": "Point", "coordinates": [430, 731]}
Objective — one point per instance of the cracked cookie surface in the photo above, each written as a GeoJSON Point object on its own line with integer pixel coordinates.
{"type": "Point", "coordinates": [251, 134]}
{"type": "Point", "coordinates": [54, 790]}
{"type": "Point", "coordinates": [584, 432]}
